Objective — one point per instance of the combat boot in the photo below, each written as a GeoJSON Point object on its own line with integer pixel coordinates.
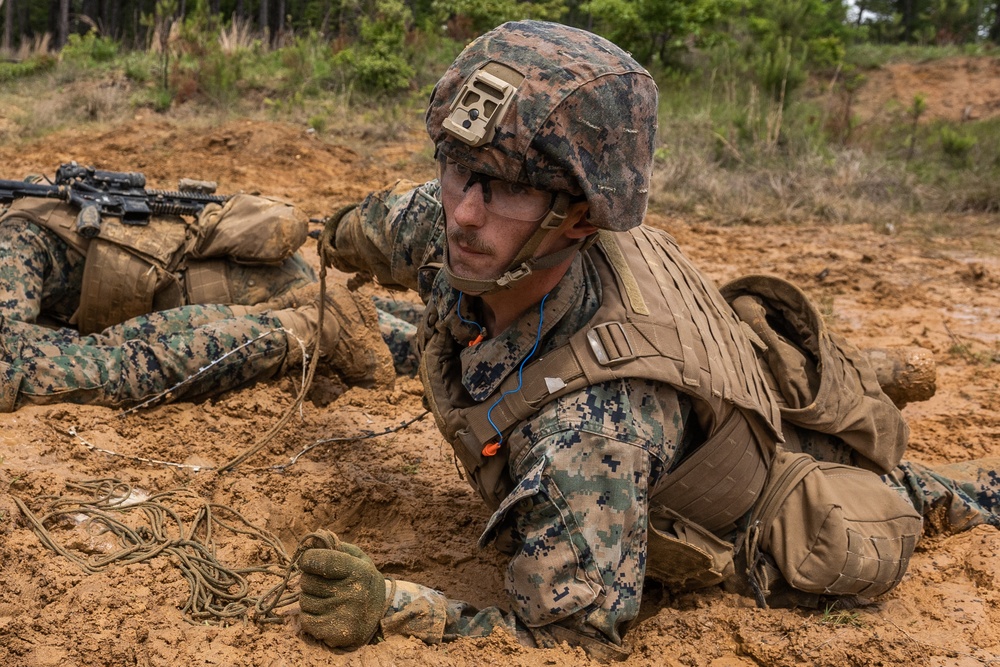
{"type": "Point", "coordinates": [350, 341]}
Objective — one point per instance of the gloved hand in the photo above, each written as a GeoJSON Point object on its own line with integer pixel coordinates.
{"type": "Point", "coordinates": [343, 595]}
{"type": "Point", "coordinates": [327, 242]}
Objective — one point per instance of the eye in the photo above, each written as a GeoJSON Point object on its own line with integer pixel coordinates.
{"type": "Point", "coordinates": [508, 189]}
{"type": "Point", "coordinates": [458, 168]}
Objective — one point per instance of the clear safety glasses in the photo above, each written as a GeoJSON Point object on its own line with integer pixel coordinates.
{"type": "Point", "coordinates": [511, 200]}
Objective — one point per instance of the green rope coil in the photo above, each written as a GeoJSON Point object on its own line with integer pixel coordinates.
{"type": "Point", "coordinates": [147, 528]}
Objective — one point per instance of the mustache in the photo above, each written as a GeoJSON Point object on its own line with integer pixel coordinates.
{"type": "Point", "coordinates": [471, 240]}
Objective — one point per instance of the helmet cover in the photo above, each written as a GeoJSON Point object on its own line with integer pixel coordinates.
{"type": "Point", "coordinates": [582, 120]}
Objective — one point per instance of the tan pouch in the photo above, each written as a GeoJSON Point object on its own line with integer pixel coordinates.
{"type": "Point", "coordinates": [683, 555]}
{"type": "Point", "coordinates": [250, 229]}
{"type": "Point", "coordinates": [832, 529]}
{"type": "Point", "coordinates": [208, 282]}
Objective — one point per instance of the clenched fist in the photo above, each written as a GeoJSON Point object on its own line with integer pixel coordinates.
{"type": "Point", "coordinates": [343, 596]}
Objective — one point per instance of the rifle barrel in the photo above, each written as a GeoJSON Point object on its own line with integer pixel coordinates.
{"type": "Point", "coordinates": [11, 190]}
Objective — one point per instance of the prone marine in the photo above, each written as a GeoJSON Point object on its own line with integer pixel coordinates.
{"type": "Point", "coordinates": [623, 418]}
{"type": "Point", "coordinates": [132, 311]}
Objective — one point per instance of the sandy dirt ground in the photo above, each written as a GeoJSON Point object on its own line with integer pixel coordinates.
{"type": "Point", "coordinates": [399, 495]}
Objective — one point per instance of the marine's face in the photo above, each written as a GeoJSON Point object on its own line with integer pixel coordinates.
{"type": "Point", "coordinates": [488, 221]}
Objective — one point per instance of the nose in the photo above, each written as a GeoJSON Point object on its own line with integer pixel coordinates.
{"type": "Point", "coordinates": [471, 208]}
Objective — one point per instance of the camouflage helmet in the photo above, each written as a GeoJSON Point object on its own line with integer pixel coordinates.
{"type": "Point", "coordinates": [579, 116]}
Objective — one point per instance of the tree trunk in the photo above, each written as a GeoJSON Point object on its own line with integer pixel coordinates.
{"type": "Point", "coordinates": [62, 32]}
{"type": "Point", "coordinates": [8, 26]}
{"type": "Point", "coordinates": [90, 9]}
{"type": "Point", "coordinates": [112, 19]}
{"type": "Point", "coordinates": [264, 17]}
{"type": "Point", "coordinates": [279, 33]}
{"type": "Point", "coordinates": [325, 28]}
{"type": "Point", "coordinates": [909, 20]}
{"type": "Point", "coordinates": [995, 28]}
{"type": "Point", "coordinates": [23, 31]}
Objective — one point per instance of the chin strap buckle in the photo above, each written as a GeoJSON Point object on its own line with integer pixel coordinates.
{"type": "Point", "coordinates": [514, 275]}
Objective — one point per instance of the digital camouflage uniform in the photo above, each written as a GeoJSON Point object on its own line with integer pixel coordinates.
{"type": "Point", "coordinates": [147, 355]}
{"type": "Point", "coordinates": [40, 281]}
{"type": "Point", "coordinates": [139, 358]}
{"type": "Point", "coordinates": [41, 275]}
{"type": "Point", "coordinates": [575, 525]}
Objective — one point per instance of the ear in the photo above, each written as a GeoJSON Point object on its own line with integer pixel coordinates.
{"type": "Point", "coordinates": [577, 224]}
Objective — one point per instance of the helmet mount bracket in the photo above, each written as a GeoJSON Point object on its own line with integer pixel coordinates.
{"type": "Point", "coordinates": [481, 103]}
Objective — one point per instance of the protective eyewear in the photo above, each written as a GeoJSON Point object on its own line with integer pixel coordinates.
{"type": "Point", "coordinates": [511, 200]}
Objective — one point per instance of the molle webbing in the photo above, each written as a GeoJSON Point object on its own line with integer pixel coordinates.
{"type": "Point", "coordinates": [124, 269]}
{"type": "Point", "coordinates": [52, 214]}
{"type": "Point", "coordinates": [709, 359]}
{"type": "Point", "coordinates": [629, 285]}
{"type": "Point", "coordinates": [116, 286]}
{"type": "Point", "coordinates": [718, 482]}
{"type": "Point", "coordinates": [208, 282]}
{"type": "Point", "coordinates": [659, 320]}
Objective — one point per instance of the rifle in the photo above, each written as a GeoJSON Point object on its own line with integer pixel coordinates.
{"type": "Point", "coordinates": [118, 194]}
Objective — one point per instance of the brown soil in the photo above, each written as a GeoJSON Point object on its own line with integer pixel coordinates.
{"type": "Point", "coordinates": [955, 89]}
{"type": "Point", "coordinates": [399, 496]}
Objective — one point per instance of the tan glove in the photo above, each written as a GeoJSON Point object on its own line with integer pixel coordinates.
{"type": "Point", "coordinates": [327, 242]}
{"type": "Point", "coordinates": [343, 596]}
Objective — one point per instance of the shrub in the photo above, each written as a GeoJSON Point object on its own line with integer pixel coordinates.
{"type": "Point", "coordinates": [308, 63]}
{"type": "Point", "coordinates": [89, 49]}
{"type": "Point", "coordinates": [377, 62]}
{"type": "Point", "coordinates": [317, 123]}
{"type": "Point", "coordinates": [25, 68]}
{"type": "Point", "coordinates": [138, 66]}
{"type": "Point", "coordinates": [487, 14]}
{"type": "Point", "coordinates": [956, 145]}
{"type": "Point", "coordinates": [376, 69]}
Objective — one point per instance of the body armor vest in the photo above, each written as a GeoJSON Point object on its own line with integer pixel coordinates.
{"type": "Point", "coordinates": [132, 270]}
{"type": "Point", "coordinates": [660, 319]}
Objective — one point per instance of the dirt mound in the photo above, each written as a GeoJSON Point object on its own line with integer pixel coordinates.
{"type": "Point", "coordinates": [956, 89]}
{"type": "Point", "coordinates": [277, 159]}
{"type": "Point", "coordinates": [399, 495]}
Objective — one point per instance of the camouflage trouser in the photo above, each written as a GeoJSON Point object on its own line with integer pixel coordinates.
{"type": "Point", "coordinates": [397, 321]}
{"type": "Point", "coordinates": [953, 497]}
{"type": "Point", "coordinates": [40, 278]}
{"type": "Point", "coordinates": [41, 275]}
{"type": "Point", "coordinates": [139, 359]}
{"type": "Point", "coordinates": [151, 354]}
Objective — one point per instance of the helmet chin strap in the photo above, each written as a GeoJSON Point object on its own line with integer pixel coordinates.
{"type": "Point", "coordinates": [525, 263]}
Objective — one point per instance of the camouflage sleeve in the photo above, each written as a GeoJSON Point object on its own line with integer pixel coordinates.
{"type": "Point", "coordinates": [391, 234]}
{"type": "Point", "coordinates": [574, 526]}
{"type": "Point", "coordinates": [426, 614]}
{"type": "Point", "coordinates": [38, 272]}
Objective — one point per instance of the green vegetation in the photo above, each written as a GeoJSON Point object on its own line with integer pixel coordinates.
{"type": "Point", "coordinates": [758, 118]}
{"type": "Point", "coordinates": [842, 617]}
